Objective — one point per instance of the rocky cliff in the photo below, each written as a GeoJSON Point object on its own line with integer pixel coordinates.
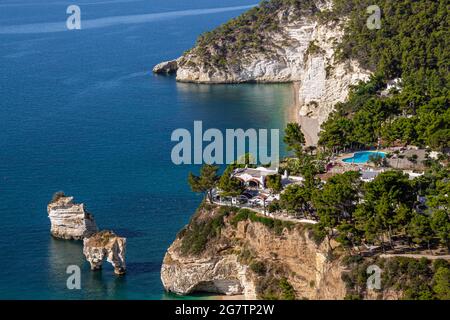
{"type": "Point", "coordinates": [105, 244]}
{"type": "Point", "coordinates": [233, 251]}
{"type": "Point", "coordinates": [257, 259]}
{"type": "Point", "coordinates": [277, 43]}
{"type": "Point", "coordinates": [70, 220]}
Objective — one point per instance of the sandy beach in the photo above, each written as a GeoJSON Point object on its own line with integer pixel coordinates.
{"type": "Point", "coordinates": [310, 126]}
{"type": "Point", "coordinates": [225, 297]}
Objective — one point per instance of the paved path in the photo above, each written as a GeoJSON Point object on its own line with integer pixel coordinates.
{"type": "Point", "coordinates": [416, 256]}
{"type": "Point", "coordinates": [260, 212]}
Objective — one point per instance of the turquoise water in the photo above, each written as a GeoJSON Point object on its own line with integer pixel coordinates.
{"type": "Point", "coordinates": [81, 112]}
{"type": "Point", "coordinates": [363, 156]}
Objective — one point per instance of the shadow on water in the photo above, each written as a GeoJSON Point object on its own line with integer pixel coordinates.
{"type": "Point", "coordinates": [63, 253]}
{"type": "Point", "coordinates": [137, 268]}
{"type": "Point", "coordinates": [94, 284]}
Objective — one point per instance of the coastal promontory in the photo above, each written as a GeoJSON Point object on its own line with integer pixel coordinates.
{"type": "Point", "coordinates": [227, 252]}
{"type": "Point", "coordinates": [278, 41]}
{"type": "Point", "coordinates": [351, 222]}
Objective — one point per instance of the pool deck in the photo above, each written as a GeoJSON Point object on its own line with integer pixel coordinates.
{"type": "Point", "coordinates": [337, 166]}
{"type": "Point", "coordinates": [339, 159]}
{"type": "Point", "coordinates": [363, 156]}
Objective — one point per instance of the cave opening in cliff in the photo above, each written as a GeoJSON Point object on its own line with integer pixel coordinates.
{"type": "Point", "coordinates": [222, 287]}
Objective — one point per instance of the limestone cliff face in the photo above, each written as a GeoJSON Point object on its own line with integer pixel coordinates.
{"type": "Point", "coordinates": [229, 263]}
{"type": "Point", "coordinates": [70, 220]}
{"type": "Point", "coordinates": [105, 244]}
{"type": "Point", "coordinates": [324, 81]}
{"type": "Point", "coordinates": [301, 50]}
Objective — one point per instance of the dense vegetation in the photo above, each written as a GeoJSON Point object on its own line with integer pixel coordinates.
{"type": "Point", "coordinates": [201, 229]}
{"type": "Point", "coordinates": [273, 288]}
{"type": "Point", "coordinates": [411, 45]}
{"type": "Point", "coordinates": [196, 235]}
{"type": "Point", "coordinates": [353, 212]}
{"type": "Point", "coordinates": [249, 32]}
{"type": "Point", "coordinates": [416, 279]}
{"type": "Point", "coordinates": [378, 212]}
{"type": "Point", "coordinates": [392, 211]}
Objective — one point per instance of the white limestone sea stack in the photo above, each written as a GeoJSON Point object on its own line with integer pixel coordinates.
{"type": "Point", "coordinates": [105, 244]}
{"type": "Point", "coordinates": [70, 220]}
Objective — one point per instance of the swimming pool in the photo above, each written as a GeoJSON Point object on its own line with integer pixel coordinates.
{"type": "Point", "coordinates": [363, 156]}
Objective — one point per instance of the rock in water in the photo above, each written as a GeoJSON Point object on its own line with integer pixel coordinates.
{"type": "Point", "coordinates": [105, 243]}
{"type": "Point", "coordinates": [70, 220]}
{"type": "Point", "coordinates": [166, 67]}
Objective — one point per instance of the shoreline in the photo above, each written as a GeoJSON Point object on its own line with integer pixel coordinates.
{"type": "Point", "coordinates": [310, 126]}
{"type": "Point", "coordinates": [293, 114]}
{"type": "Point", "coordinates": [225, 297]}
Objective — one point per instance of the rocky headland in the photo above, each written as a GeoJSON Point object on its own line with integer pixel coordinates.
{"type": "Point", "coordinates": [225, 252]}
{"type": "Point", "coordinates": [294, 43]}
{"type": "Point", "coordinates": [228, 251]}
{"type": "Point", "coordinates": [327, 50]}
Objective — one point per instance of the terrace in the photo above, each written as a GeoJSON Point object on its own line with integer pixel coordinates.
{"type": "Point", "coordinates": [256, 196]}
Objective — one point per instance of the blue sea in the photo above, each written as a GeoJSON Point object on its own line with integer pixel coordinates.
{"type": "Point", "coordinates": [80, 111]}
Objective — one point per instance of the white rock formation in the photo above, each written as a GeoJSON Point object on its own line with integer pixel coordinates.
{"type": "Point", "coordinates": [166, 67]}
{"type": "Point", "coordinates": [105, 244]}
{"type": "Point", "coordinates": [221, 275]}
{"type": "Point", "coordinates": [70, 220]}
{"type": "Point", "coordinates": [325, 81]}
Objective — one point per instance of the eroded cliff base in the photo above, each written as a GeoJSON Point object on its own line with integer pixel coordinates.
{"type": "Point", "coordinates": [232, 251]}
{"type": "Point", "coordinates": [227, 251]}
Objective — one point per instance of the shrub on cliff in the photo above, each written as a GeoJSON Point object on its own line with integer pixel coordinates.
{"type": "Point", "coordinates": [441, 283]}
{"type": "Point", "coordinates": [200, 230]}
{"type": "Point", "coordinates": [287, 291]}
{"type": "Point", "coordinates": [58, 195]}
{"type": "Point", "coordinates": [417, 279]}
{"type": "Point", "coordinates": [258, 267]}
{"type": "Point", "coordinates": [273, 224]}
{"type": "Point", "coordinates": [275, 288]}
